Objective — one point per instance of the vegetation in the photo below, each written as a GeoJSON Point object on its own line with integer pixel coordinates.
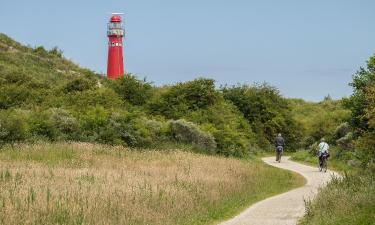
{"type": "Point", "coordinates": [267, 112]}
{"type": "Point", "coordinates": [334, 162]}
{"type": "Point", "coordinates": [319, 119]}
{"type": "Point", "coordinates": [84, 171]}
{"type": "Point", "coordinates": [81, 183]}
{"type": "Point", "coordinates": [350, 200]}
{"type": "Point", "coordinates": [44, 96]}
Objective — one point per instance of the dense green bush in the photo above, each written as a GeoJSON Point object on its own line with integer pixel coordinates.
{"type": "Point", "coordinates": [267, 111]}
{"type": "Point", "coordinates": [13, 127]}
{"type": "Point", "coordinates": [187, 132]}
{"type": "Point", "coordinates": [346, 142]}
{"type": "Point", "coordinates": [131, 89]}
{"type": "Point", "coordinates": [176, 101]}
{"type": "Point", "coordinates": [67, 125]}
{"type": "Point", "coordinates": [232, 132]}
{"type": "Point", "coordinates": [342, 130]}
{"type": "Point", "coordinates": [80, 84]}
{"type": "Point", "coordinates": [41, 126]}
{"type": "Point", "coordinates": [321, 119]}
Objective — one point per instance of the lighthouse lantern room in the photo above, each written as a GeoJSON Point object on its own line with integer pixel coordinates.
{"type": "Point", "coordinates": [115, 33]}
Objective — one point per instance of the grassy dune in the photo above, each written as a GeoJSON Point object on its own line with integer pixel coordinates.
{"type": "Point", "coordinates": [81, 183]}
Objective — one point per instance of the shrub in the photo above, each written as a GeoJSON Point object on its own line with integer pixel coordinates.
{"type": "Point", "coordinates": [267, 112]}
{"type": "Point", "coordinates": [41, 126]}
{"type": "Point", "coordinates": [93, 120]}
{"type": "Point", "coordinates": [13, 95]}
{"type": "Point", "coordinates": [231, 143]}
{"type": "Point", "coordinates": [157, 129]}
{"type": "Point", "coordinates": [13, 127]}
{"type": "Point", "coordinates": [346, 142]}
{"type": "Point", "coordinates": [131, 89]}
{"type": "Point", "coordinates": [114, 131]}
{"type": "Point", "coordinates": [232, 132]}
{"type": "Point", "coordinates": [187, 132]}
{"type": "Point", "coordinates": [41, 51]}
{"type": "Point", "coordinates": [175, 101]}
{"type": "Point", "coordinates": [119, 127]}
{"type": "Point", "coordinates": [365, 149]}
{"type": "Point", "coordinates": [80, 84]}
{"type": "Point", "coordinates": [56, 52]}
{"type": "Point", "coordinates": [342, 130]}
{"type": "Point", "coordinates": [103, 97]}
{"type": "Point", "coordinates": [65, 123]}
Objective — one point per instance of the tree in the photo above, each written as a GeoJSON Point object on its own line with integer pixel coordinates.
{"type": "Point", "coordinates": [362, 82]}
{"type": "Point", "coordinates": [267, 112]}
{"type": "Point", "coordinates": [176, 101]}
{"type": "Point", "coordinates": [135, 91]}
{"type": "Point", "coordinates": [362, 106]}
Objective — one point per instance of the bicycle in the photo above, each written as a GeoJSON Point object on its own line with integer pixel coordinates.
{"type": "Point", "coordinates": [323, 163]}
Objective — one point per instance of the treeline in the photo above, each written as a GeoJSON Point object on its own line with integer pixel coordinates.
{"type": "Point", "coordinates": [44, 96]}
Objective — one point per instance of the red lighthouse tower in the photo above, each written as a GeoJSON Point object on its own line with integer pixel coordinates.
{"type": "Point", "coordinates": [115, 33]}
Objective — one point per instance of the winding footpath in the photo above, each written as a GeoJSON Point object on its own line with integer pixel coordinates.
{"type": "Point", "coordinates": [286, 208]}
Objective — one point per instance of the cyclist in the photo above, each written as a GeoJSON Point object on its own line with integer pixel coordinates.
{"type": "Point", "coordinates": [322, 150]}
{"type": "Point", "coordinates": [279, 145]}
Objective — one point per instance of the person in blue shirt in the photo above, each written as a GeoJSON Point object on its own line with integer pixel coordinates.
{"type": "Point", "coordinates": [279, 147]}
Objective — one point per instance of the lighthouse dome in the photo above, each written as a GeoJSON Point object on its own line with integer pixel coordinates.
{"type": "Point", "coordinates": [115, 18]}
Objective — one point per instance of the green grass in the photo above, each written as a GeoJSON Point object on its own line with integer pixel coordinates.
{"type": "Point", "coordinates": [58, 154]}
{"type": "Point", "coordinates": [349, 201]}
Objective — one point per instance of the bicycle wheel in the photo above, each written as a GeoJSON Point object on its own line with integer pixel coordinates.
{"type": "Point", "coordinates": [325, 166]}
{"type": "Point", "coordinates": [320, 166]}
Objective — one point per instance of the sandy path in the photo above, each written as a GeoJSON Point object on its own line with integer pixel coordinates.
{"type": "Point", "coordinates": [286, 208]}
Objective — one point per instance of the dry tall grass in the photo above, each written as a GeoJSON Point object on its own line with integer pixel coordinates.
{"type": "Point", "coordinates": [81, 183]}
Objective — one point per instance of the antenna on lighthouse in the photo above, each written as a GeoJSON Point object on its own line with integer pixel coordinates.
{"type": "Point", "coordinates": [116, 13]}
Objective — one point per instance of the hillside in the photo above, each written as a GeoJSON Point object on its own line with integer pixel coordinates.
{"type": "Point", "coordinates": [47, 97]}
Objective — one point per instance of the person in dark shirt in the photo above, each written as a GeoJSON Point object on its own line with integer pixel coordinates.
{"type": "Point", "coordinates": [279, 147]}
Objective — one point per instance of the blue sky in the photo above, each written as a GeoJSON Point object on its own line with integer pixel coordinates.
{"type": "Point", "coordinates": [307, 49]}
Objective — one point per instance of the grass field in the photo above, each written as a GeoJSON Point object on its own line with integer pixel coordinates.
{"type": "Point", "coordinates": [80, 183]}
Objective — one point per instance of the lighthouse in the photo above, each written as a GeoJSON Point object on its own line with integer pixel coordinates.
{"type": "Point", "coordinates": [115, 33]}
